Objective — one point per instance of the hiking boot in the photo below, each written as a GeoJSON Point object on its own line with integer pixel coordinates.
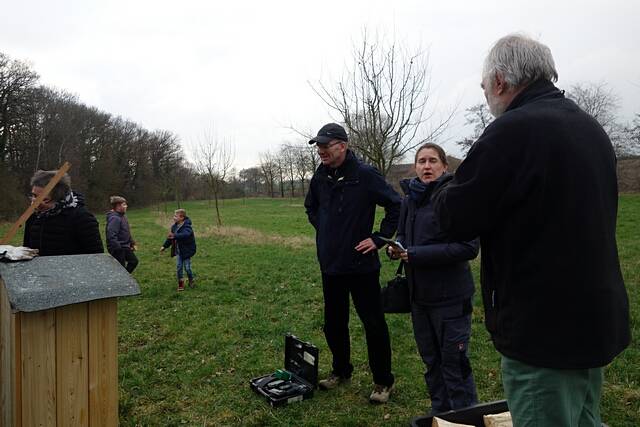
{"type": "Point", "coordinates": [331, 382]}
{"type": "Point", "coordinates": [180, 285]}
{"type": "Point", "coordinates": [192, 282]}
{"type": "Point", "coordinates": [380, 393]}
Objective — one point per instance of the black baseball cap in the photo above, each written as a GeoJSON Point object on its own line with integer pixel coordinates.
{"type": "Point", "coordinates": [328, 133]}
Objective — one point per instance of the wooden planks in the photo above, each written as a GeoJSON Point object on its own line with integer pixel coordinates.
{"type": "Point", "coordinates": [103, 363]}
{"type": "Point", "coordinates": [59, 367]}
{"type": "Point", "coordinates": [72, 358]}
{"type": "Point", "coordinates": [7, 347]}
{"type": "Point", "coordinates": [38, 368]}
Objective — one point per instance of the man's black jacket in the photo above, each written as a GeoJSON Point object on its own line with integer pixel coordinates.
{"type": "Point", "coordinates": [341, 205]}
{"type": "Point", "coordinates": [539, 188]}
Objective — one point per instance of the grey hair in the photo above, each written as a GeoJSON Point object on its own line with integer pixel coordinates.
{"type": "Point", "coordinates": [60, 190]}
{"type": "Point", "coordinates": [520, 60]}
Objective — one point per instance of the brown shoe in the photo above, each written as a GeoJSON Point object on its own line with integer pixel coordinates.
{"type": "Point", "coordinates": [180, 285]}
{"type": "Point", "coordinates": [332, 381]}
{"type": "Point", "coordinates": [192, 282]}
{"type": "Point", "coordinates": [380, 394]}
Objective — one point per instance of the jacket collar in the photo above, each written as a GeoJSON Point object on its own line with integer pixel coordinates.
{"type": "Point", "coordinates": [538, 89]}
{"type": "Point", "coordinates": [347, 169]}
{"type": "Point", "coordinates": [444, 178]}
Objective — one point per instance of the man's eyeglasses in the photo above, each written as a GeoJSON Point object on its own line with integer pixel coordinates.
{"type": "Point", "coordinates": [327, 146]}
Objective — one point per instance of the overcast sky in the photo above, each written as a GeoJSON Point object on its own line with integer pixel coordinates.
{"type": "Point", "coordinates": [244, 67]}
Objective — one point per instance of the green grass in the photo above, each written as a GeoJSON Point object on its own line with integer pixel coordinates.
{"type": "Point", "coordinates": [186, 359]}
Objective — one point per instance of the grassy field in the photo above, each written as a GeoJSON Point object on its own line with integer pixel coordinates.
{"type": "Point", "coordinates": [186, 358]}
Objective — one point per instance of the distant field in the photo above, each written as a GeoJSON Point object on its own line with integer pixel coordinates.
{"type": "Point", "coordinates": [186, 359]}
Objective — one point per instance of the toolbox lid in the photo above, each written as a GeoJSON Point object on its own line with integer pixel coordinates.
{"type": "Point", "coordinates": [301, 358]}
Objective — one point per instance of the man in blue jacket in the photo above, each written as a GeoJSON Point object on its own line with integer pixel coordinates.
{"type": "Point", "coordinates": [341, 205]}
{"type": "Point", "coordinates": [539, 187]}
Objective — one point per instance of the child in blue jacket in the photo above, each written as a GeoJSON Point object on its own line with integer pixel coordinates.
{"type": "Point", "coordinates": [183, 246]}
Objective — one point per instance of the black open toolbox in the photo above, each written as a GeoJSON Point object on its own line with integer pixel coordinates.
{"type": "Point", "coordinates": [471, 415]}
{"type": "Point", "coordinates": [301, 365]}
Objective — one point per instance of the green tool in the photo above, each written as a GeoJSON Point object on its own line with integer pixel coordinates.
{"type": "Point", "coordinates": [282, 375]}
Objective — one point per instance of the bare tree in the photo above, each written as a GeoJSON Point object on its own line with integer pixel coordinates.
{"type": "Point", "coordinates": [305, 162]}
{"type": "Point", "coordinates": [288, 161]}
{"type": "Point", "coordinates": [632, 136]}
{"type": "Point", "coordinates": [280, 171]}
{"type": "Point", "coordinates": [16, 80]}
{"type": "Point", "coordinates": [269, 167]}
{"type": "Point", "coordinates": [479, 117]}
{"type": "Point", "coordinates": [213, 161]}
{"type": "Point", "coordinates": [597, 100]}
{"type": "Point", "coordinates": [382, 99]}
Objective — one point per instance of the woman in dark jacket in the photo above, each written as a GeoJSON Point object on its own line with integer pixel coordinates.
{"type": "Point", "coordinates": [440, 285]}
{"type": "Point", "coordinates": [60, 225]}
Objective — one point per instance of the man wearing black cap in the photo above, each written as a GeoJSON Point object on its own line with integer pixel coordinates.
{"type": "Point", "coordinates": [341, 205]}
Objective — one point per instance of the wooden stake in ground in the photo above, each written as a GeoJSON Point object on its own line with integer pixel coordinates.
{"type": "Point", "coordinates": [27, 213]}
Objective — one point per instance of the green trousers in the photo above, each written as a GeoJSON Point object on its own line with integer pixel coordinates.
{"type": "Point", "coordinates": [543, 397]}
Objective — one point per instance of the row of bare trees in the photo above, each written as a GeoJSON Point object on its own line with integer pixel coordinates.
{"type": "Point", "coordinates": [283, 173]}
{"type": "Point", "coordinates": [383, 99]}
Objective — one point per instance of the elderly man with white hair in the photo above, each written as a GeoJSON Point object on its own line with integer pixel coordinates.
{"type": "Point", "coordinates": [539, 187]}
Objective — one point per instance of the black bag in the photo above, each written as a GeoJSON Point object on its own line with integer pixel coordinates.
{"type": "Point", "coordinates": [395, 296]}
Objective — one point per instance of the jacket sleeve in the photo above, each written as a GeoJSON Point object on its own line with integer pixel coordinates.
{"type": "Point", "coordinates": [384, 195]}
{"type": "Point", "coordinates": [468, 205]}
{"type": "Point", "coordinates": [443, 253]}
{"type": "Point", "coordinates": [113, 227]}
{"type": "Point", "coordinates": [402, 221]}
{"type": "Point", "coordinates": [311, 203]}
{"type": "Point", "coordinates": [87, 233]}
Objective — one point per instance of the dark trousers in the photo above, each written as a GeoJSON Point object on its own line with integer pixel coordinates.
{"type": "Point", "coordinates": [442, 335]}
{"type": "Point", "coordinates": [365, 291]}
{"type": "Point", "coordinates": [127, 258]}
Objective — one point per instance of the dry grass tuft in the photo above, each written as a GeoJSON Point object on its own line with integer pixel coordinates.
{"type": "Point", "coordinates": [242, 234]}
{"type": "Point", "coordinates": [253, 236]}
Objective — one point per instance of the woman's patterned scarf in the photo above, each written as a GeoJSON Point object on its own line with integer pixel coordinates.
{"type": "Point", "coordinates": [69, 201]}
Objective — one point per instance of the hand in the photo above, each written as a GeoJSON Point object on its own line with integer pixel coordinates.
{"type": "Point", "coordinates": [404, 256]}
{"type": "Point", "coordinates": [162, 249]}
{"type": "Point", "coordinates": [366, 246]}
{"type": "Point", "coordinates": [393, 252]}
{"type": "Point", "coordinates": [170, 235]}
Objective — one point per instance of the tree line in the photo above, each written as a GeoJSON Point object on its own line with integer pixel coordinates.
{"type": "Point", "coordinates": [41, 127]}
{"type": "Point", "coordinates": [383, 99]}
